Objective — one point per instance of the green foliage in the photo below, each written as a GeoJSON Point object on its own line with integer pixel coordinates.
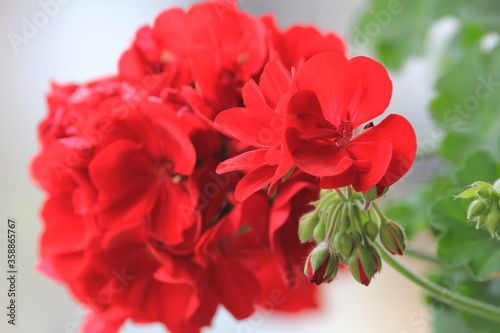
{"type": "Point", "coordinates": [466, 108]}
{"type": "Point", "coordinates": [448, 319]}
{"type": "Point", "coordinates": [460, 244]}
{"type": "Point", "coordinates": [413, 214]}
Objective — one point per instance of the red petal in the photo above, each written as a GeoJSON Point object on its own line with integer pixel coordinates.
{"type": "Point", "coordinates": [235, 287]}
{"type": "Point", "coordinates": [371, 162]}
{"type": "Point", "coordinates": [169, 23]}
{"type": "Point", "coordinates": [253, 181]}
{"type": "Point", "coordinates": [124, 177]}
{"type": "Point", "coordinates": [399, 132]}
{"type": "Point", "coordinates": [274, 83]}
{"type": "Point", "coordinates": [256, 124]}
{"type": "Point", "coordinates": [357, 90]}
{"type": "Point", "coordinates": [373, 90]}
{"type": "Point", "coordinates": [174, 214]}
{"type": "Point", "coordinates": [246, 161]}
{"type": "Point", "coordinates": [342, 179]}
{"type": "Point", "coordinates": [328, 75]}
{"type": "Point", "coordinates": [65, 231]}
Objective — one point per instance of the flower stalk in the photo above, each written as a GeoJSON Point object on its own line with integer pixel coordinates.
{"type": "Point", "coordinates": [442, 294]}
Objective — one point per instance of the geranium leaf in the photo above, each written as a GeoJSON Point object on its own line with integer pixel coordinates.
{"type": "Point", "coordinates": [460, 244]}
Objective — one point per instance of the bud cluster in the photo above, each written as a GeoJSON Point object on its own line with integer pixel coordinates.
{"type": "Point", "coordinates": [484, 208]}
{"type": "Point", "coordinates": [344, 231]}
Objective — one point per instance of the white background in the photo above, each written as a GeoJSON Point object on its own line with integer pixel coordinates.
{"type": "Point", "coordinates": [84, 40]}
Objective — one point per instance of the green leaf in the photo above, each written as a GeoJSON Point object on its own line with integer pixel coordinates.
{"type": "Point", "coordinates": [478, 166]}
{"type": "Point", "coordinates": [413, 214]}
{"type": "Point", "coordinates": [448, 319]}
{"type": "Point", "coordinates": [460, 244]}
{"type": "Point", "coordinates": [467, 109]}
{"type": "Point", "coordinates": [396, 29]}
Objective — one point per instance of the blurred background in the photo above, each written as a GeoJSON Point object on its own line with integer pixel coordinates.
{"type": "Point", "coordinates": [82, 40]}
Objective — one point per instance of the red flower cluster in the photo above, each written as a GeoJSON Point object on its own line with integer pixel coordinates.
{"type": "Point", "coordinates": [309, 122]}
{"type": "Point", "coordinates": [137, 223]}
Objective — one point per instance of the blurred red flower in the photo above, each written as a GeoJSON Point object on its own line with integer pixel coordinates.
{"type": "Point", "coordinates": [137, 223]}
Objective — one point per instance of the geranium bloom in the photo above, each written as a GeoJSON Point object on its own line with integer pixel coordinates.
{"type": "Point", "coordinates": [203, 55]}
{"type": "Point", "coordinates": [334, 97]}
{"type": "Point", "coordinates": [142, 170]}
{"type": "Point", "coordinates": [260, 124]}
{"type": "Point", "coordinates": [298, 43]}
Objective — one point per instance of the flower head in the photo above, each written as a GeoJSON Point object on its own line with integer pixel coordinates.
{"type": "Point", "coordinates": [324, 134]}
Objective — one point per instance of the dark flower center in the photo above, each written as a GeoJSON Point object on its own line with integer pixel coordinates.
{"type": "Point", "coordinates": [165, 171]}
{"type": "Point", "coordinates": [344, 134]}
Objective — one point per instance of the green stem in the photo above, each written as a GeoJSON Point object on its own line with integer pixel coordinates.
{"type": "Point", "coordinates": [333, 222]}
{"type": "Point", "coordinates": [325, 200]}
{"type": "Point", "coordinates": [339, 192]}
{"type": "Point", "coordinates": [380, 214]}
{"type": "Point", "coordinates": [444, 295]}
{"type": "Point", "coordinates": [349, 191]}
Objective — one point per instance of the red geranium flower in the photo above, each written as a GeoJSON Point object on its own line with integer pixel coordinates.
{"type": "Point", "coordinates": [298, 43]}
{"type": "Point", "coordinates": [231, 254]}
{"type": "Point", "coordinates": [203, 55]}
{"type": "Point", "coordinates": [293, 199]}
{"type": "Point", "coordinates": [334, 97]}
{"type": "Point", "coordinates": [259, 124]}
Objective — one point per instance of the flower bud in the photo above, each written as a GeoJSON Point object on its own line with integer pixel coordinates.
{"type": "Point", "coordinates": [483, 193]}
{"type": "Point", "coordinates": [319, 232]}
{"type": "Point", "coordinates": [332, 269]}
{"type": "Point", "coordinates": [371, 229]}
{"type": "Point", "coordinates": [377, 260]}
{"type": "Point", "coordinates": [392, 237]}
{"type": "Point", "coordinates": [492, 223]}
{"type": "Point", "coordinates": [496, 185]}
{"type": "Point", "coordinates": [306, 226]}
{"type": "Point", "coordinates": [343, 244]}
{"type": "Point", "coordinates": [476, 208]}
{"type": "Point", "coordinates": [362, 265]}
{"type": "Point", "coordinates": [322, 264]}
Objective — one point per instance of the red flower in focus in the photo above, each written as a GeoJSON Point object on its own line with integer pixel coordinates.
{"type": "Point", "coordinates": [260, 124]}
{"type": "Point", "coordinates": [334, 97]}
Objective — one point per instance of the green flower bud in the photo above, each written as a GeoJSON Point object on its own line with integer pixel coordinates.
{"type": "Point", "coordinates": [319, 232]}
{"type": "Point", "coordinates": [322, 264]}
{"type": "Point", "coordinates": [496, 185]}
{"type": "Point", "coordinates": [307, 224]}
{"type": "Point", "coordinates": [343, 243]}
{"type": "Point", "coordinates": [483, 193]}
{"type": "Point", "coordinates": [492, 222]}
{"type": "Point", "coordinates": [371, 229]}
{"type": "Point", "coordinates": [362, 265]}
{"type": "Point", "coordinates": [377, 260]}
{"type": "Point", "coordinates": [332, 269]}
{"type": "Point", "coordinates": [392, 237]}
{"type": "Point", "coordinates": [476, 208]}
